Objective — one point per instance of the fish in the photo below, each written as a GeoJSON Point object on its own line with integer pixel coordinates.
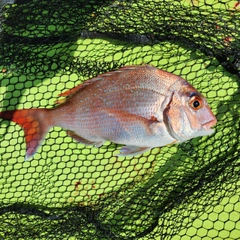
{"type": "Point", "coordinates": [139, 107]}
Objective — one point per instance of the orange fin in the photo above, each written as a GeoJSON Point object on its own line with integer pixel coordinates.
{"type": "Point", "coordinates": [79, 87]}
{"type": "Point", "coordinates": [60, 101]}
{"type": "Point", "coordinates": [35, 126]}
{"type": "Point", "coordinates": [71, 91]}
{"type": "Point", "coordinates": [83, 140]}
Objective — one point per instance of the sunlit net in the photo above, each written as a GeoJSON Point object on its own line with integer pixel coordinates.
{"type": "Point", "coordinates": [70, 191]}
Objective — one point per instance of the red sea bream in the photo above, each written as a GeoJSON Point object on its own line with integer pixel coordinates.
{"type": "Point", "coordinates": [141, 107]}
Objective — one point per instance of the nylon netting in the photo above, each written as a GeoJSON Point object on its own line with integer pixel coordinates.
{"type": "Point", "coordinates": [70, 191]}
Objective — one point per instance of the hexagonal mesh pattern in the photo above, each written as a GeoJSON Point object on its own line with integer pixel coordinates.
{"type": "Point", "coordinates": [72, 191]}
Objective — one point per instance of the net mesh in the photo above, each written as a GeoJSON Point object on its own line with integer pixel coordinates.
{"type": "Point", "coordinates": [70, 191]}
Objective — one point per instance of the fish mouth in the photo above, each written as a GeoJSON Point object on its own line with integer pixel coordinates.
{"type": "Point", "coordinates": [210, 124]}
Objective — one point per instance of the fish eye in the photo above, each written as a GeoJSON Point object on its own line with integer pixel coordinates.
{"type": "Point", "coordinates": [196, 103]}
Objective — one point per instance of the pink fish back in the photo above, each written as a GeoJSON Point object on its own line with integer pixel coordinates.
{"type": "Point", "coordinates": [139, 90]}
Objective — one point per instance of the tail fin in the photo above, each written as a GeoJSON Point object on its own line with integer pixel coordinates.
{"type": "Point", "coordinates": [34, 123]}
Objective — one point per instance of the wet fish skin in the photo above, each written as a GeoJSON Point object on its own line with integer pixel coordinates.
{"type": "Point", "coordinates": [141, 107]}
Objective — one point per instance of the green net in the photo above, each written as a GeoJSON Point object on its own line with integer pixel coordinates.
{"type": "Point", "coordinates": [72, 191]}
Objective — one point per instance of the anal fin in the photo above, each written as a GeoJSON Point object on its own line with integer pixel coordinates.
{"type": "Point", "coordinates": [132, 150]}
{"type": "Point", "coordinates": [83, 140]}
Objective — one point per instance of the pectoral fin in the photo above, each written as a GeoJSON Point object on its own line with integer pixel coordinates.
{"type": "Point", "coordinates": [132, 122]}
{"type": "Point", "coordinates": [83, 140]}
{"type": "Point", "coordinates": [132, 129]}
{"type": "Point", "coordinates": [132, 150]}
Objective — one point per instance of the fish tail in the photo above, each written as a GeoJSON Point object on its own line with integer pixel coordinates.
{"type": "Point", "coordinates": [35, 123]}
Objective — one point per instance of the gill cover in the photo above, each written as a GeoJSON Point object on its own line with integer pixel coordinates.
{"type": "Point", "coordinates": [188, 115]}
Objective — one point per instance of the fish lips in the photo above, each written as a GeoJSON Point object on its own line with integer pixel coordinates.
{"type": "Point", "coordinates": [207, 119]}
{"type": "Point", "coordinates": [208, 125]}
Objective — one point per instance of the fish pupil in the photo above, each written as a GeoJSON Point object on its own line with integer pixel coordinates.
{"type": "Point", "coordinates": [196, 104]}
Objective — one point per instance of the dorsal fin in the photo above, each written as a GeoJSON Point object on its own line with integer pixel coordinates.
{"type": "Point", "coordinates": [81, 86]}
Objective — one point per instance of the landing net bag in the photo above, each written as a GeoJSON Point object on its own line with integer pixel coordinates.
{"type": "Point", "coordinates": [72, 191]}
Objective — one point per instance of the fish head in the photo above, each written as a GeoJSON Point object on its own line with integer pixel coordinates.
{"type": "Point", "coordinates": [188, 114]}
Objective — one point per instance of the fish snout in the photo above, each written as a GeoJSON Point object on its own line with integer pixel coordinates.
{"type": "Point", "coordinates": [210, 123]}
{"type": "Point", "coordinates": [206, 118]}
